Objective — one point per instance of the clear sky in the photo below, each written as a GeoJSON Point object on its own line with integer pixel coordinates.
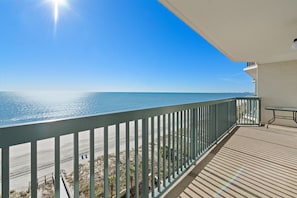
{"type": "Point", "coordinates": [108, 45]}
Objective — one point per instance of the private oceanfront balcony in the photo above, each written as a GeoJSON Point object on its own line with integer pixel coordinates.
{"type": "Point", "coordinates": [138, 153]}
{"type": "Point", "coordinates": [250, 162]}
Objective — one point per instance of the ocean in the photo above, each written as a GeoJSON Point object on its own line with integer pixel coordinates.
{"type": "Point", "coordinates": [27, 107]}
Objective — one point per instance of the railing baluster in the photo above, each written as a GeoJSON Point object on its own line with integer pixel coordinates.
{"type": "Point", "coordinates": [250, 112]}
{"type": "Point", "coordinates": [188, 134]}
{"type": "Point", "coordinates": [159, 154]}
{"type": "Point", "coordinates": [178, 142]}
{"type": "Point", "coordinates": [192, 132]}
{"type": "Point", "coordinates": [215, 123]}
{"type": "Point", "coordinates": [254, 111]}
{"type": "Point", "coordinates": [228, 116]}
{"type": "Point", "coordinates": [208, 125]}
{"type": "Point", "coordinates": [76, 164]}
{"type": "Point", "coordinates": [185, 138]}
{"type": "Point", "coordinates": [244, 111]}
{"type": "Point", "coordinates": [234, 112]}
{"type": "Point", "coordinates": [186, 143]}
{"type": "Point", "coordinates": [144, 158]}
{"type": "Point", "coordinates": [169, 146]}
{"type": "Point", "coordinates": [181, 141]}
{"type": "Point", "coordinates": [239, 109]}
{"type": "Point", "coordinates": [202, 130]}
{"type": "Point", "coordinates": [259, 111]}
{"type": "Point", "coordinates": [231, 112]}
{"type": "Point", "coordinates": [106, 161]}
{"type": "Point", "coordinates": [205, 125]}
{"type": "Point", "coordinates": [118, 176]}
{"type": "Point", "coordinates": [199, 131]}
{"type": "Point", "coordinates": [173, 144]}
{"type": "Point", "coordinates": [128, 185]}
{"type": "Point", "coordinates": [136, 160]}
{"type": "Point", "coordinates": [92, 164]}
{"type": "Point", "coordinates": [5, 171]}
{"type": "Point", "coordinates": [225, 109]}
{"type": "Point", "coordinates": [33, 169]}
{"type": "Point", "coordinates": [195, 132]}
{"type": "Point", "coordinates": [209, 117]}
{"type": "Point", "coordinates": [211, 120]}
{"type": "Point", "coordinates": [57, 166]}
{"type": "Point", "coordinates": [240, 112]}
{"type": "Point", "coordinates": [164, 150]}
{"type": "Point", "coordinates": [152, 156]}
{"type": "Point", "coordinates": [221, 124]}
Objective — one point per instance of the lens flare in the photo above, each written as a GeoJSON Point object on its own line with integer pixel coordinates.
{"type": "Point", "coordinates": [56, 12]}
{"type": "Point", "coordinates": [57, 5]}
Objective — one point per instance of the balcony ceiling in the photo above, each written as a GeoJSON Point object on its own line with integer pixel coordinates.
{"type": "Point", "coordinates": [244, 30]}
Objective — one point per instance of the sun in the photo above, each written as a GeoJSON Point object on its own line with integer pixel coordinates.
{"type": "Point", "coordinates": [57, 5]}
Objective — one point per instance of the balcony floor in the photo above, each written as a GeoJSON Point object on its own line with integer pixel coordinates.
{"type": "Point", "coordinates": [251, 162]}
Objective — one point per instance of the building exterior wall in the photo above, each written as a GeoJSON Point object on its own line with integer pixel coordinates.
{"type": "Point", "coordinates": [277, 86]}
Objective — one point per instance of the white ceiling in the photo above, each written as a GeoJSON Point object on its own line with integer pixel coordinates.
{"type": "Point", "coordinates": [244, 30]}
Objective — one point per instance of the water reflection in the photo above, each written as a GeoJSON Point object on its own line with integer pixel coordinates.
{"type": "Point", "coordinates": [37, 106]}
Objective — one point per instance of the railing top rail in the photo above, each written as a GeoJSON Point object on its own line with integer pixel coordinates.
{"type": "Point", "coordinates": [248, 97]}
{"type": "Point", "coordinates": [18, 134]}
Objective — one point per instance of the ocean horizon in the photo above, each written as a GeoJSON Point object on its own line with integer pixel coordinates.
{"type": "Point", "coordinates": [28, 107]}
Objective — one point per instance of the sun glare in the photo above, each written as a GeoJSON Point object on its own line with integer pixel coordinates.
{"type": "Point", "coordinates": [57, 5]}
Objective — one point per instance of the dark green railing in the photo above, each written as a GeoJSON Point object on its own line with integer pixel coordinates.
{"type": "Point", "coordinates": [248, 111]}
{"type": "Point", "coordinates": [130, 154]}
{"type": "Point", "coordinates": [250, 64]}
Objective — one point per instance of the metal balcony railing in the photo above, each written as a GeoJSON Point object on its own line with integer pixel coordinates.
{"type": "Point", "coordinates": [129, 154]}
{"type": "Point", "coordinates": [248, 111]}
{"type": "Point", "coordinates": [250, 64]}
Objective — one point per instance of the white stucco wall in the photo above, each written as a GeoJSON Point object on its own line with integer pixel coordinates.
{"type": "Point", "coordinates": [277, 86]}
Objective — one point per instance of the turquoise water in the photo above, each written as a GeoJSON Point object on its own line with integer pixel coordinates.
{"type": "Point", "coordinates": [20, 108]}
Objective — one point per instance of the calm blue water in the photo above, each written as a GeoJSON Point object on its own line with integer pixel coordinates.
{"type": "Point", "coordinates": [19, 108]}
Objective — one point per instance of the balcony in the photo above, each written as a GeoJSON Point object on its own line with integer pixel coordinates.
{"type": "Point", "coordinates": [251, 162]}
{"type": "Point", "coordinates": [252, 70]}
{"type": "Point", "coordinates": [250, 64]}
{"type": "Point", "coordinates": [139, 153]}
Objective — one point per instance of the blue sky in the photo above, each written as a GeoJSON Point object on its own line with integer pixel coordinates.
{"type": "Point", "coordinates": [108, 45]}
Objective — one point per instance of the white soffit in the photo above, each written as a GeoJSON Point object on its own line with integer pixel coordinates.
{"type": "Point", "coordinates": [244, 30]}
